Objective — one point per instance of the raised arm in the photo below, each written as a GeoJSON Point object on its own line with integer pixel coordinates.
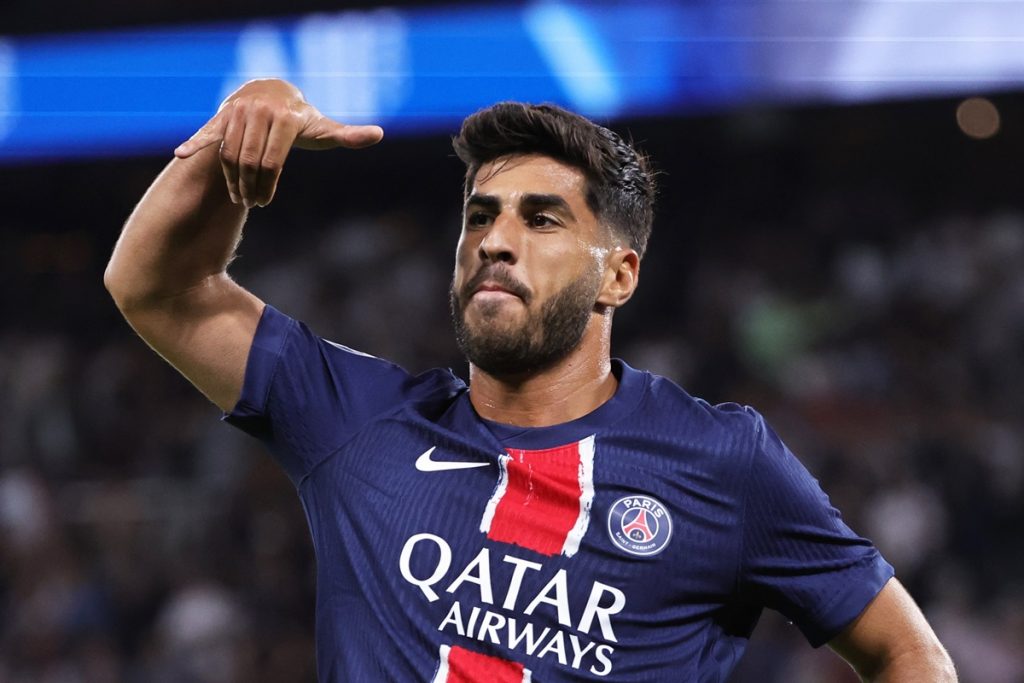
{"type": "Point", "coordinates": [168, 273]}
{"type": "Point", "coordinates": [890, 642]}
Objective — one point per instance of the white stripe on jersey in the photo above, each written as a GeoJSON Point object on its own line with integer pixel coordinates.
{"type": "Point", "coordinates": [499, 493]}
{"type": "Point", "coordinates": [586, 479]}
{"type": "Point", "coordinates": [442, 667]}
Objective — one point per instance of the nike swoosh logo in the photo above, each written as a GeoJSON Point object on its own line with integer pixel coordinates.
{"type": "Point", "coordinates": [425, 463]}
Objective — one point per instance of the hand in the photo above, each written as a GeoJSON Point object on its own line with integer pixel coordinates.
{"type": "Point", "coordinates": [256, 127]}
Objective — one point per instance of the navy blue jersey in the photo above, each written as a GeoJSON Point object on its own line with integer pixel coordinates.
{"type": "Point", "coordinates": [638, 543]}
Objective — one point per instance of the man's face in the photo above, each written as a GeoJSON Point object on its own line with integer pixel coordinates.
{"type": "Point", "coordinates": [529, 265]}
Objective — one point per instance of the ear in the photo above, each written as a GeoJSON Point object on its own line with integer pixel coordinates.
{"type": "Point", "coordinates": [621, 277]}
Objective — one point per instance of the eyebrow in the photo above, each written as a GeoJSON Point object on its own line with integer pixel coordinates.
{"type": "Point", "coordinates": [490, 202]}
{"type": "Point", "coordinates": [484, 201]}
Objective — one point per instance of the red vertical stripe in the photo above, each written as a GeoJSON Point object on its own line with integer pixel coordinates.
{"type": "Point", "coordinates": [541, 502]}
{"type": "Point", "coordinates": [466, 666]}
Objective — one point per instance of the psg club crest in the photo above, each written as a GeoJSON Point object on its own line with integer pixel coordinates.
{"type": "Point", "coordinates": [640, 525]}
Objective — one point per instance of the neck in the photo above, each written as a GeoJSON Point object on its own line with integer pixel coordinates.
{"type": "Point", "coordinates": [573, 387]}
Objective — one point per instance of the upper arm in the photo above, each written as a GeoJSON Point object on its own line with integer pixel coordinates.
{"type": "Point", "coordinates": [205, 332]}
{"type": "Point", "coordinates": [799, 557]}
{"type": "Point", "coordinates": [891, 640]}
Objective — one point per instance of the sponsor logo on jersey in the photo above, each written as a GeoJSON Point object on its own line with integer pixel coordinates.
{"type": "Point", "coordinates": [426, 463]}
{"type": "Point", "coordinates": [640, 525]}
{"type": "Point", "coordinates": [517, 605]}
{"type": "Point", "coordinates": [521, 605]}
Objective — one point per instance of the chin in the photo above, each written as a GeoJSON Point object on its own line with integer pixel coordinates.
{"type": "Point", "coordinates": [491, 314]}
{"type": "Point", "coordinates": [495, 332]}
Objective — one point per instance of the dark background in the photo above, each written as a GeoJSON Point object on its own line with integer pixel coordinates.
{"type": "Point", "coordinates": [852, 272]}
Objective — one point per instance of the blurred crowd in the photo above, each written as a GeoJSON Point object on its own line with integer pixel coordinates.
{"type": "Point", "coordinates": [141, 540]}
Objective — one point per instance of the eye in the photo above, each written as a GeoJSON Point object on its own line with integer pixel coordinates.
{"type": "Point", "coordinates": [479, 219]}
{"type": "Point", "coordinates": [542, 220]}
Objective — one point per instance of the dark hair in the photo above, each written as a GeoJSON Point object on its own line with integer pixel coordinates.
{"type": "Point", "coordinates": [620, 185]}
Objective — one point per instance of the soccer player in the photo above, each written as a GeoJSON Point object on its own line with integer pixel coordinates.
{"type": "Point", "coordinates": [563, 517]}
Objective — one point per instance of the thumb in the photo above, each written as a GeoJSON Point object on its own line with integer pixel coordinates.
{"type": "Point", "coordinates": [211, 132]}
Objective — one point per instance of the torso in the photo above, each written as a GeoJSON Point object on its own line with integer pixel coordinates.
{"type": "Point", "coordinates": [576, 552]}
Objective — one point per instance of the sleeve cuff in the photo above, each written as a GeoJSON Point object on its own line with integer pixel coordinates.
{"type": "Point", "coordinates": [848, 605]}
{"type": "Point", "coordinates": [264, 358]}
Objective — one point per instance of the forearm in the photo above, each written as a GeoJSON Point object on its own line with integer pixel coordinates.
{"type": "Point", "coordinates": [927, 664]}
{"type": "Point", "coordinates": [891, 642]}
{"type": "Point", "coordinates": [183, 231]}
{"type": "Point", "coordinates": [168, 271]}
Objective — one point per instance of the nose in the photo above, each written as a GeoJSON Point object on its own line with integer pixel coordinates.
{"type": "Point", "coordinates": [499, 244]}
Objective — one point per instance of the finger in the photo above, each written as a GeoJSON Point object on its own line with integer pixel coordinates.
{"type": "Point", "coordinates": [250, 158]}
{"type": "Point", "coordinates": [211, 132]}
{"type": "Point", "coordinates": [230, 147]}
{"type": "Point", "coordinates": [279, 143]}
{"type": "Point", "coordinates": [357, 137]}
{"type": "Point", "coordinates": [324, 133]}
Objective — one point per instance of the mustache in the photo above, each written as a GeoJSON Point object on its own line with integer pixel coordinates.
{"type": "Point", "coordinates": [500, 276]}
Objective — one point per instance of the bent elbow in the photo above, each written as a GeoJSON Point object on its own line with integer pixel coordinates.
{"type": "Point", "coordinates": [112, 283]}
{"type": "Point", "coordinates": [117, 286]}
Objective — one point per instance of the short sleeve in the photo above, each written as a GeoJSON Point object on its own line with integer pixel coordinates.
{"type": "Point", "coordinates": [799, 558]}
{"type": "Point", "coordinates": [304, 396]}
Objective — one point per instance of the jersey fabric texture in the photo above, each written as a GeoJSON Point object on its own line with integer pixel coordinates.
{"type": "Point", "coordinates": [638, 543]}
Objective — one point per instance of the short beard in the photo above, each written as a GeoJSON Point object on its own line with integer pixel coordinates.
{"type": "Point", "coordinates": [539, 343]}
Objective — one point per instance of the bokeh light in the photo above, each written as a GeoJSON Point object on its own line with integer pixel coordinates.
{"type": "Point", "coordinates": [978, 118]}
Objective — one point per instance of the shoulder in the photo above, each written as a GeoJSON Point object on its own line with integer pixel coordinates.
{"type": "Point", "coordinates": [294, 370]}
{"type": "Point", "coordinates": [691, 437]}
{"type": "Point", "coordinates": [668, 403]}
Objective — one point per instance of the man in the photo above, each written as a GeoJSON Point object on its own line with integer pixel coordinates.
{"type": "Point", "coordinates": [564, 517]}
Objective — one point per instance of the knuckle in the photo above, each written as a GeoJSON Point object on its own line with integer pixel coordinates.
{"type": "Point", "coordinates": [227, 154]}
{"type": "Point", "coordinates": [248, 161]}
{"type": "Point", "coordinates": [263, 107]}
{"type": "Point", "coordinates": [291, 118]}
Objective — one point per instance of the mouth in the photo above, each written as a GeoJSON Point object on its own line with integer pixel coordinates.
{"type": "Point", "coordinates": [493, 294]}
{"type": "Point", "coordinates": [496, 285]}
{"type": "Point", "coordinates": [491, 288]}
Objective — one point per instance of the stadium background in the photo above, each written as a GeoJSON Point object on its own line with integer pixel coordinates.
{"type": "Point", "coordinates": [852, 269]}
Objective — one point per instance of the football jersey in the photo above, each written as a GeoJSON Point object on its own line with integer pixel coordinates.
{"type": "Point", "coordinates": [639, 542]}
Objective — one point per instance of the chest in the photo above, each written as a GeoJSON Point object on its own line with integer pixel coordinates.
{"type": "Point", "coordinates": [564, 530]}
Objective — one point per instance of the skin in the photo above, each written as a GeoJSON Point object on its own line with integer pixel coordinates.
{"type": "Point", "coordinates": [168, 271]}
{"type": "Point", "coordinates": [545, 246]}
{"type": "Point", "coordinates": [168, 275]}
{"type": "Point", "coordinates": [892, 642]}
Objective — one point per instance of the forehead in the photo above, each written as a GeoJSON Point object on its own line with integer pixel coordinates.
{"type": "Point", "coordinates": [530, 174]}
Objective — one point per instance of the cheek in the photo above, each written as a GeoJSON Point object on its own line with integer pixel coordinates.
{"type": "Point", "coordinates": [582, 260]}
{"type": "Point", "coordinates": [593, 261]}
{"type": "Point", "coordinates": [463, 256]}
{"type": "Point", "coordinates": [598, 254]}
